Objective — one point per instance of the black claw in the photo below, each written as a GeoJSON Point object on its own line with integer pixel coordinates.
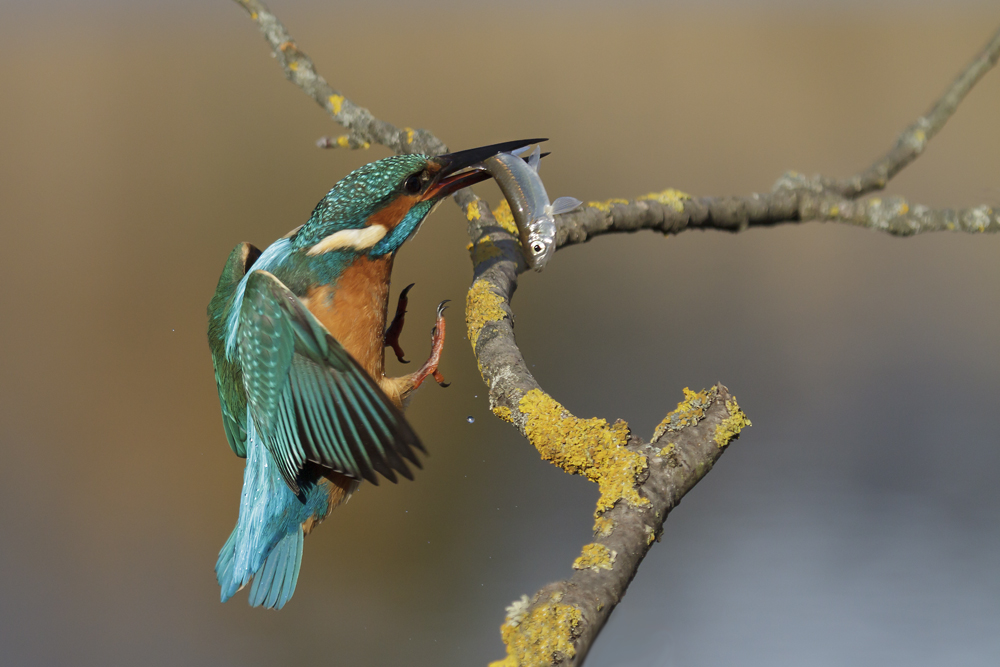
{"type": "Point", "coordinates": [442, 307]}
{"type": "Point", "coordinates": [406, 290]}
{"type": "Point", "coordinates": [444, 384]}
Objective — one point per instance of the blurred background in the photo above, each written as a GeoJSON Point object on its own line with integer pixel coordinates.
{"type": "Point", "coordinates": [857, 522]}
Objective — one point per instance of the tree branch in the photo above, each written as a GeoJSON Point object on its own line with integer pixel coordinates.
{"type": "Point", "coordinates": [640, 483]}
{"type": "Point", "coordinates": [299, 69]}
{"type": "Point", "coordinates": [913, 140]}
{"type": "Point", "coordinates": [561, 622]}
{"type": "Point", "coordinates": [796, 198]}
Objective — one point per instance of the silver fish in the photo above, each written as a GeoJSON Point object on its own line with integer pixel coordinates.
{"type": "Point", "coordinates": [529, 203]}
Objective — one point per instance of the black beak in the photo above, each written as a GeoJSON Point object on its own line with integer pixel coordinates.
{"type": "Point", "coordinates": [451, 178]}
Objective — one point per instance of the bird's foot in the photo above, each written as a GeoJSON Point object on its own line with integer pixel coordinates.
{"type": "Point", "coordinates": [391, 337]}
{"type": "Point", "coordinates": [430, 366]}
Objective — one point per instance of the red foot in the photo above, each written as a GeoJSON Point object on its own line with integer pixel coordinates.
{"type": "Point", "coordinates": [430, 366]}
{"type": "Point", "coordinates": [396, 327]}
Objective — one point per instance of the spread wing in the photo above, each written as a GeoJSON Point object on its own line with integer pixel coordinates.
{"type": "Point", "coordinates": [309, 398]}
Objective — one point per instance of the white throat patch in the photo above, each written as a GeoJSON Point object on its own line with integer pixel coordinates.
{"type": "Point", "coordinates": [357, 239]}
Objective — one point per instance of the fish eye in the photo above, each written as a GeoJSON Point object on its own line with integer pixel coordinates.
{"type": "Point", "coordinates": [413, 184]}
{"type": "Point", "coordinates": [537, 247]}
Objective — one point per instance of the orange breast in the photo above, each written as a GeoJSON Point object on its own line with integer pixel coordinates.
{"type": "Point", "coordinates": [355, 315]}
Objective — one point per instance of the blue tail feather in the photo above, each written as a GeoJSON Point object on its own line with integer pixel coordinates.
{"type": "Point", "coordinates": [224, 568]}
{"type": "Point", "coordinates": [266, 543]}
{"type": "Point", "coordinates": [274, 584]}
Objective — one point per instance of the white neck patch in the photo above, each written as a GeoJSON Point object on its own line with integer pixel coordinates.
{"type": "Point", "coordinates": [357, 239]}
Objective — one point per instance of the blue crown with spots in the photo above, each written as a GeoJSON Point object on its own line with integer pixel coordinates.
{"type": "Point", "coordinates": [357, 196]}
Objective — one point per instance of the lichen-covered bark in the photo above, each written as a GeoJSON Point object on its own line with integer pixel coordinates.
{"type": "Point", "coordinates": [680, 454]}
{"type": "Point", "coordinates": [794, 199]}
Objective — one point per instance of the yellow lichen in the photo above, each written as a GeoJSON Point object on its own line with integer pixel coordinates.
{"type": "Point", "coordinates": [669, 455]}
{"type": "Point", "coordinates": [595, 557]}
{"type": "Point", "coordinates": [344, 141]}
{"type": "Point", "coordinates": [547, 630]}
{"type": "Point", "coordinates": [732, 425]}
{"type": "Point", "coordinates": [834, 210]}
{"type": "Point", "coordinates": [669, 197]}
{"type": "Point", "coordinates": [482, 250]}
{"type": "Point", "coordinates": [336, 102]}
{"type": "Point", "coordinates": [689, 412]}
{"type": "Point", "coordinates": [504, 413]}
{"type": "Point", "coordinates": [294, 66]}
{"type": "Point", "coordinates": [603, 526]}
{"type": "Point", "coordinates": [606, 204]}
{"type": "Point", "coordinates": [482, 305]}
{"type": "Point", "coordinates": [472, 212]}
{"type": "Point", "coordinates": [903, 208]}
{"type": "Point", "coordinates": [505, 218]}
{"type": "Point", "coordinates": [588, 447]}
{"type": "Point", "coordinates": [409, 134]}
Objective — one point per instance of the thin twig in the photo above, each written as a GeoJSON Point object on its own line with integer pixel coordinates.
{"type": "Point", "coordinates": [363, 126]}
{"type": "Point", "coordinates": [913, 140]}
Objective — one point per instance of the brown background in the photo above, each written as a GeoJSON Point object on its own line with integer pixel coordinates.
{"type": "Point", "coordinates": [855, 523]}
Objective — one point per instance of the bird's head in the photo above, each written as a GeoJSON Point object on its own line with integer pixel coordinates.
{"type": "Point", "coordinates": [375, 209]}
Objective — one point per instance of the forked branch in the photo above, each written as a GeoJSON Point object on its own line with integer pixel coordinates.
{"type": "Point", "coordinates": [640, 482]}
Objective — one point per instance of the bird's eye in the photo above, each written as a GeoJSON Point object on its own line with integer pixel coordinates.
{"type": "Point", "coordinates": [413, 184]}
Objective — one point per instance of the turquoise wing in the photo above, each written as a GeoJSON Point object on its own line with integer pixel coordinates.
{"type": "Point", "coordinates": [309, 398]}
{"type": "Point", "coordinates": [228, 377]}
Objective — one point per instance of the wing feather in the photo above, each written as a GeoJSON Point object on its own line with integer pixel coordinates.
{"type": "Point", "coordinates": [309, 398]}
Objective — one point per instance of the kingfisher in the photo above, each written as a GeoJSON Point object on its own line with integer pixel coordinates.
{"type": "Point", "coordinates": [298, 336]}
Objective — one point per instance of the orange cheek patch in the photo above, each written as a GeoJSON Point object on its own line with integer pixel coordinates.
{"type": "Point", "coordinates": [391, 215]}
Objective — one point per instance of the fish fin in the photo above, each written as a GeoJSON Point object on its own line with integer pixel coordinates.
{"type": "Point", "coordinates": [275, 583]}
{"type": "Point", "coordinates": [564, 205]}
{"type": "Point", "coordinates": [535, 158]}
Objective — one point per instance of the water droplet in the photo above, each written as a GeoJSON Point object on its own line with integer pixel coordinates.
{"type": "Point", "coordinates": [470, 419]}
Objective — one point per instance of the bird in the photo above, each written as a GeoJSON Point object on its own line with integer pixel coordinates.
{"type": "Point", "coordinates": [298, 335]}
